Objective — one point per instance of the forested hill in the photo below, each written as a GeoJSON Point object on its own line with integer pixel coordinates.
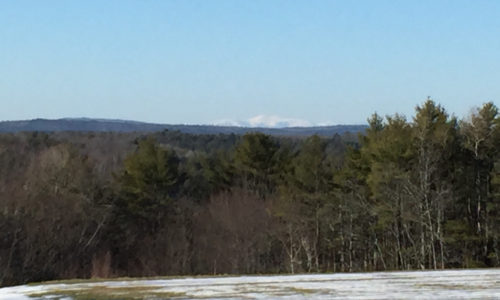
{"type": "Point", "coordinates": [104, 125]}
{"type": "Point", "coordinates": [406, 195]}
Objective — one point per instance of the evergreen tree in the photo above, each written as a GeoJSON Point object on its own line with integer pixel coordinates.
{"type": "Point", "coordinates": [256, 161]}
{"type": "Point", "coordinates": [148, 185]}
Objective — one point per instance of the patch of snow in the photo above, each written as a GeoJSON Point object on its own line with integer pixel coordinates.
{"type": "Point", "coordinates": [266, 121]}
{"type": "Point", "coordinates": [277, 122]}
{"type": "Point", "coordinates": [449, 284]}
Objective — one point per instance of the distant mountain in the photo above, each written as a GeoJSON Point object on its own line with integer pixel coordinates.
{"type": "Point", "coordinates": [105, 125]}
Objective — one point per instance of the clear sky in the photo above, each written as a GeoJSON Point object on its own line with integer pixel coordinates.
{"type": "Point", "coordinates": [200, 62]}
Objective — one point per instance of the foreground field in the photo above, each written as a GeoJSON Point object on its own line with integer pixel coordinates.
{"type": "Point", "coordinates": [452, 284]}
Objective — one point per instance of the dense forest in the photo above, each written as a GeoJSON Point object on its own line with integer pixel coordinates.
{"type": "Point", "coordinates": [407, 194]}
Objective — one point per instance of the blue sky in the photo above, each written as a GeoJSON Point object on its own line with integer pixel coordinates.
{"type": "Point", "coordinates": [201, 62]}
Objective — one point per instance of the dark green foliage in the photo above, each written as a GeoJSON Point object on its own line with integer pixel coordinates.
{"type": "Point", "coordinates": [256, 161]}
{"type": "Point", "coordinates": [419, 194]}
{"type": "Point", "coordinates": [149, 182]}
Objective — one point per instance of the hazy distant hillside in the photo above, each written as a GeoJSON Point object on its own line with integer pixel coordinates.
{"type": "Point", "coordinates": [100, 125]}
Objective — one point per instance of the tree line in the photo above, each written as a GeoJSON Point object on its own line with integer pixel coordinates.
{"type": "Point", "coordinates": [407, 194]}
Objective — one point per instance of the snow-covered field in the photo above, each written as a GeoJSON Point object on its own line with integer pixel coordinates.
{"type": "Point", "coordinates": [450, 284]}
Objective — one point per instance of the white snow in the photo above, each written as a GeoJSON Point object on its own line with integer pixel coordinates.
{"type": "Point", "coordinates": [266, 121]}
{"type": "Point", "coordinates": [449, 284]}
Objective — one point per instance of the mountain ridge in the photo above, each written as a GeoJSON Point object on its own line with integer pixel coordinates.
{"type": "Point", "coordinates": [116, 125]}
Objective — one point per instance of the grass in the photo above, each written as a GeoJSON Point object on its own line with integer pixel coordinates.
{"type": "Point", "coordinates": [77, 289]}
{"type": "Point", "coordinates": [92, 280]}
{"type": "Point", "coordinates": [103, 292]}
{"type": "Point", "coordinates": [302, 291]}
